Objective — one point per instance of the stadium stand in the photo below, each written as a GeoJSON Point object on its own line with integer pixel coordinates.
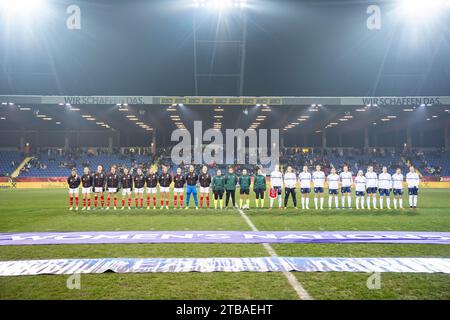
{"type": "Point", "coordinates": [432, 163]}
{"type": "Point", "coordinates": [9, 160]}
{"type": "Point", "coordinates": [54, 162]}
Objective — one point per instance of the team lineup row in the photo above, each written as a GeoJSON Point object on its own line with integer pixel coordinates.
{"type": "Point", "coordinates": [364, 184]}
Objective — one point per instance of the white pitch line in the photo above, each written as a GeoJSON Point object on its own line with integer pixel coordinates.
{"type": "Point", "coordinates": [296, 285]}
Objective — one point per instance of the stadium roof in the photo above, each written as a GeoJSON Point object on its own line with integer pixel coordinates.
{"type": "Point", "coordinates": [303, 117]}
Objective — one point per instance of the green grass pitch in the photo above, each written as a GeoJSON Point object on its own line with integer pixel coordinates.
{"type": "Point", "coordinates": [47, 210]}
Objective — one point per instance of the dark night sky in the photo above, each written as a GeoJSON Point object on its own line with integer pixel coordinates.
{"type": "Point", "coordinates": [301, 48]}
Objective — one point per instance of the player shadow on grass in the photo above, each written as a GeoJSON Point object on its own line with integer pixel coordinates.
{"type": "Point", "coordinates": [334, 212]}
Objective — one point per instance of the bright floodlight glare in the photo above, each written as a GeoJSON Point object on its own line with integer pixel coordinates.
{"type": "Point", "coordinates": [423, 9]}
{"type": "Point", "coordinates": [20, 6]}
{"type": "Point", "coordinates": [219, 4]}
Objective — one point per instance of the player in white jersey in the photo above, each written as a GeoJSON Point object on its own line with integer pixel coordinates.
{"type": "Point", "coordinates": [318, 178]}
{"type": "Point", "coordinates": [384, 187]}
{"type": "Point", "coordinates": [360, 189]}
{"type": "Point", "coordinates": [371, 187]}
{"type": "Point", "coordinates": [276, 181]}
{"type": "Point", "coordinates": [397, 186]}
{"type": "Point", "coordinates": [290, 182]}
{"type": "Point", "coordinates": [305, 186]}
{"type": "Point", "coordinates": [412, 180]}
{"type": "Point", "coordinates": [333, 186]}
{"type": "Point", "coordinates": [346, 185]}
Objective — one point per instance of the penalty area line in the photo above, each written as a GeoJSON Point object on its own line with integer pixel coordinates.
{"type": "Point", "coordinates": [295, 284]}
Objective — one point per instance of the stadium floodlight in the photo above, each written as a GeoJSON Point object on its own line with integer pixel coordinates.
{"type": "Point", "coordinates": [423, 9]}
{"type": "Point", "coordinates": [26, 7]}
{"type": "Point", "coordinates": [219, 4]}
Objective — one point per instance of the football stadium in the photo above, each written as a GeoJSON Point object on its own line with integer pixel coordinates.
{"type": "Point", "coordinates": [225, 150]}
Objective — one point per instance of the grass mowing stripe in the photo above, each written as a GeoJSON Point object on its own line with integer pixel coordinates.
{"type": "Point", "coordinates": [301, 292]}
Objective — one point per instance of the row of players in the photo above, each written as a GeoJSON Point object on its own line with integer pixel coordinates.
{"type": "Point", "coordinates": [369, 183]}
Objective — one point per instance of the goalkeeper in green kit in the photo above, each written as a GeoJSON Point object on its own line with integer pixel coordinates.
{"type": "Point", "coordinates": [259, 187]}
{"type": "Point", "coordinates": [244, 190]}
{"type": "Point", "coordinates": [218, 187]}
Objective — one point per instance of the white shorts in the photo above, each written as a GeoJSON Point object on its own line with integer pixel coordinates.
{"type": "Point", "coordinates": [126, 191]}
{"type": "Point", "coordinates": [139, 190]}
{"type": "Point", "coordinates": [178, 190]}
{"type": "Point", "coordinates": [73, 191]}
{"type": "Point", "coordinates": [98, 189]}
{"type": "Point", "coordinates": [204, 189]}
{"type": "Point", "coordinates": [164, 189]}
{"type": "Point", "coordinates": [151, 190]}
{"type": "Point", "coordinates": [112, 190]}
{"type": "Point", "coordinates": [86, 190]}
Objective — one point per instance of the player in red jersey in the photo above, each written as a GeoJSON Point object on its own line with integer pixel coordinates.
{"type": "Point", "coordinates": [126, 183]}
{"type": "Point", "coordinates": [178, 188]}
{"type": "Point", "coordinates": [151, 180]}
{"type": "Point", "coordinates": [74, 182]}
{"type": "Point", "coordinates": [112, 183]}
{"type": "Point", "coordinates": [139, 182]}
{"type": "Point", "coordinates": [99, 186]}
{"type": "Point", "coordinates": [86, 188]}
{"type": "Point", "coordinates": [165, 179]}
{"type": "Point", "coordinates": [205, 181]}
